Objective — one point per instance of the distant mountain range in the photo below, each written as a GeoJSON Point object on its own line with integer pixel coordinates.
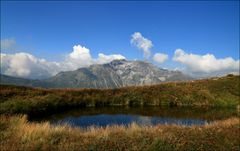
{"type": "Point", "coordinates": [118, 73]}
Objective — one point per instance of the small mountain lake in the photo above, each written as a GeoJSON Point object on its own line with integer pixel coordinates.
{"type": "Point", "coordinates": [104, 116]}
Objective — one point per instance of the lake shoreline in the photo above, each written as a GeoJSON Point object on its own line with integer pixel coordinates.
{"type": "Point", "coordinates": [103, 116]}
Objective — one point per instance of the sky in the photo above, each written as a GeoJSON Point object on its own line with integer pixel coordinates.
{"type": "Point", "coordinates": [40, 39]}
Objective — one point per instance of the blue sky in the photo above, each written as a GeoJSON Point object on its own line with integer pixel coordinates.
{"type": "Point", "coordinates": [50, 29]}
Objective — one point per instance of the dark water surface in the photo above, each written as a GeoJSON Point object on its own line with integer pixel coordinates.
{"type": "Point", "coordinates": [104, 116]}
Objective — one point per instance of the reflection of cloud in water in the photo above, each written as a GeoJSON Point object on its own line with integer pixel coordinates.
{"type": "Point", "coordinates": [143, 120]}
{"type": "Point", "coordinates": [184, 121]}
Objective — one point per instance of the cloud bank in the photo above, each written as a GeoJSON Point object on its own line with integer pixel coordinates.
{"type": "Point", "coordinates": [206, 64]}
{"type": "Point", "coordinates": [28, 66]}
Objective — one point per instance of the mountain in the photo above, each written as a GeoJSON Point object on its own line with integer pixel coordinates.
{"type": "Point", "coordinates": [118, 73]}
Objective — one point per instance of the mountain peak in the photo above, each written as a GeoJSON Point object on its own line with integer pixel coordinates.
{"type": "Point", "coordinates": [117, 73]}
{"type": "Point", "coordinates": [117, 62]}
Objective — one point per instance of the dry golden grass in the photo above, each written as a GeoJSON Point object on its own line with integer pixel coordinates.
{"type": "Point", "coordinates": [19, 134]}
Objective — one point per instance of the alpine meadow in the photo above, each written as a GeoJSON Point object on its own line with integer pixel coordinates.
{"type": "Point", "coordinates": [120, 75]}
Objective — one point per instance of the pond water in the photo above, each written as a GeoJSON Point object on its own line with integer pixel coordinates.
{"type": "Point", "coordinates": [104, 116]}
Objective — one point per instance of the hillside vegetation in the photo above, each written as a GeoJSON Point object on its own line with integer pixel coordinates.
{"type": "Point", "coordinates": [222, 91]}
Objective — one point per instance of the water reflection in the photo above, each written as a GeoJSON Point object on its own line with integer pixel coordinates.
{"type": "Point", "coordinates": [84, 117]}
{"type": "Point", "coordinates": [121, 119]}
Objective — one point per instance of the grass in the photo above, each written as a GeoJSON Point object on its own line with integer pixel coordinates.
{"type": "Point", "coordinates": [19, 134]}
{"type": "Point", "coordinates": [221, 92]}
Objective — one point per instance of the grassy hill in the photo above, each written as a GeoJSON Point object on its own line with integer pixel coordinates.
{"type": "Point", "coordinates": [222, 92]}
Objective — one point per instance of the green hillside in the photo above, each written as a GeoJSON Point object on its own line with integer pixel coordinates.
{"type": "Point", "coordinates": [222, 92]}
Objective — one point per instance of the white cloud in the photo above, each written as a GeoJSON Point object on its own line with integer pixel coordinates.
{"type": "Point", "coordinates": [142, 43]}
{"type": "Point", "coordinates": [79, 57]}
{"type": "Point", "coordinates": [102, 58]}
{"type": "Point", "coordinates": [28, 66]}
{"type": "Point", "coordinates": [206, 64]}
{"type": "Point", "coordinates": [145, 44]}
{"type": "Point", "coordinates": [80, 52]}
{"type": "Point", "coordinates": [7, 43]}
{"type": "Point", "coordinates": [160, 57]}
